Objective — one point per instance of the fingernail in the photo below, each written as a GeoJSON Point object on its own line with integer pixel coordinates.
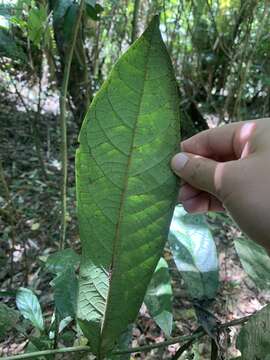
{"type": "Point", "coordinates": [179, 161]}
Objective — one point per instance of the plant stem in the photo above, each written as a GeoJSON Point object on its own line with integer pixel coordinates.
{"type": "Point", "coordinates": [63, 129]}
{"type": "Point", "coordinates": [35, 127]}
{"type": "Point", "coordinates": [38, 354]}
{"type": "Point", "coordinates": [182, 349]}
{"type": "Point", "coordinates": [135, 20]}
{"type": "Point", "coordinates": [63, 126]}
{"type": "Point", "coordinates": [196, 335]}
{"type": "Point", "coordinates": [175, 340]}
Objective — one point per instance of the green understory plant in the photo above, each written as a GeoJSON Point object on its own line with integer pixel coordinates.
{"type": "Point", "coordinates": [126, 196]}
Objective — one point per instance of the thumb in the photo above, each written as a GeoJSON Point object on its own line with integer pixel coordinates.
{"type": "Point", "coordinates": [197, 171]}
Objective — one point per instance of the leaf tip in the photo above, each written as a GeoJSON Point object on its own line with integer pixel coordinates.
{"type": "Point", "coordinates": [153, 27]}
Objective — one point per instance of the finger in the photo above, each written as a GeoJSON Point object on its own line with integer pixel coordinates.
{"type": "Point", "coordinates": [222, 143]}
{"type": "Point", "coordinates": [188, 192]}
{"type": "Point", "coordinates": [197, 171]}
{"type": "Point", "coordinates": [202, 203]}
{"type": "Point", "coordinates": [195, 200]}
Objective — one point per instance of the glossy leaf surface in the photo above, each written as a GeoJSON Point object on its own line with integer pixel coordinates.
{"type": "Point", "coordinates": [125, 187]}
{"type": "Point", "coordinates": [194, 253]}
{"type": "Point", "coordinates": [254, 338]}
{"type": "Point", "coordinates": [158, 298]}
{"type": "Point", "coordinates": [29, 307]}
{"type": "Point", "coordinates": [255, 261]}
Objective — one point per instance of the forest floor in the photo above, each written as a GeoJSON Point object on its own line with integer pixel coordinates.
{"type": "Point", "coordinates": [36, 234]}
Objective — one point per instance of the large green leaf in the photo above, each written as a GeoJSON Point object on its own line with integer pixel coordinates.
{"type": "Point", "coordinates": [125, 187]}
{"type": "Point", "coordinates": [255, 261]}
{"type": "Point", "coordinates": [254, 338]}
{"type": "Point", "coordinates": [29, 306]}
{"type": "Point", "coordinates": [59, 261]}
{"type": "Point", "coordinates": [158, 298]}
{"type": "Point", "coordinates": [8, 319]}
{"type": "Point", "coordinates": [60, 8]}
{"type": "Point", "coordinates": [37, 19]}
{"type": "Point", "coordinates": [123, 343]}
{"type": "Point", "coordinates": [194, 253]}
{"type": "Point", "coordinates": [65, 292]}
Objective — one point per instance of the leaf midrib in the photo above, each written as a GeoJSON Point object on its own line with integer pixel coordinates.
{"type": "Point", "coordinates": [123, 195]}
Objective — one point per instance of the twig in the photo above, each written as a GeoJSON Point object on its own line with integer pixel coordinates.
{"type": "Point", "coordinates": [214, 350]}
{"type": "Point", "coordinates": [196, 335]}
{"type": "Point", "coordinates": [182, 349]}
{"type": "Point", "coordinates": [63, 129]}
{"type": "Point", "coordinates": [35, 127]}
{"type": "Point", "coordinates": [38, 354]}
{"type": "Point", "coordinates": [175, 340]}
{"type": "Point", "coordinates": [63, 126]}
{"type": "Point", "coordinates": [135, 20]}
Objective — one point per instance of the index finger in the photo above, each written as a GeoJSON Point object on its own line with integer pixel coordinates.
{"type": "Point", "coordinates": [224, 143]}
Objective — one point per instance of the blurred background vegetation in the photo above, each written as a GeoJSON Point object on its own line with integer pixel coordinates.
{"type": "Point", "coordinates": [220, 50]}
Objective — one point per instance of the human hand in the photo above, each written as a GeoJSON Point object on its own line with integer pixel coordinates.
{"type": "Point", "coordinates": [229, 168]}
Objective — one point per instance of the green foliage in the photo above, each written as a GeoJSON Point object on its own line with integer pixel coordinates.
{"type": "Point", "coordinates": [158, 298]}
{"type": "Point", "coordinates": [254, 338]}
{"type": "Point", "coordinates": [60, 261]}
{"type": "Point", "coordinates": [220, 51]}
{"type": "Point", "coordinates": [60, 9]}
{"type": "Point", "coordinates": [37, 20]}
{"type": "Point", "coordinates": [6, 10]}
{"type": "Point", "coordinates": [91, 2]}
{"type": "Point", "coordinates": [69, 21]}
{"type": "Point", "coordinates": [125, 187]}
{"type": "Point", "coordinates": [65, 285]}
{"type": "Point", "coordinates": [123, 343]}
{"type": "Point", "coordinates": [194, 253]}
{"type": "Point", "coordinates": [10, 47]}
{"type": "Point", "coordinates": [93, 11]}
{"type": "Point", "coordinates": [29, 307]}
{"type": "Point", "coordinates": [65, 292]}
{"type": "Point", "coordinates": [8, 319]}
{"type": "Point", "coordinates": [255, 261]}
{"type": "Point", "coordinates": [39, 344]}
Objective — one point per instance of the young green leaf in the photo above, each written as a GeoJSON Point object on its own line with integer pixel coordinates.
{"type": "Point", "coordinates": [125, 187]}
{"type": "Point", "coordinates": [36, 24]}
{"type": "Point", "coordinates": [29, 307]}
{"type": "Point", "coordinates": [255, 261]}
{"type": "Point", "coordinates": [158, 298]}
{"type": "Point", "coordinates": [59, 261]}
{"type": "Point", "coordinates": [65, 292]}
{"type": "Point", "coordinates": [194, 253]}
{"type": "Point", "coordinates": [254, 338]}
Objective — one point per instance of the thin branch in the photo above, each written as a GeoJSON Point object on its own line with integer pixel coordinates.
{"type": "Point", "coordinates": [63, 129]}
{"type": "Point", "coordinates": [38, 354]}
{"type": "Point", "coordinates": [196, 335]}
{"type": "Point", "coordinates": [182, 349]}
{"type": "Point", "coordinates": [135, 21]}
{"type": "Point", "coordinates": [175, 340]}
{"type": "Point", "coordinates": [35, 126]}
{"type": "Point", "coordinates": [63, 126]}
